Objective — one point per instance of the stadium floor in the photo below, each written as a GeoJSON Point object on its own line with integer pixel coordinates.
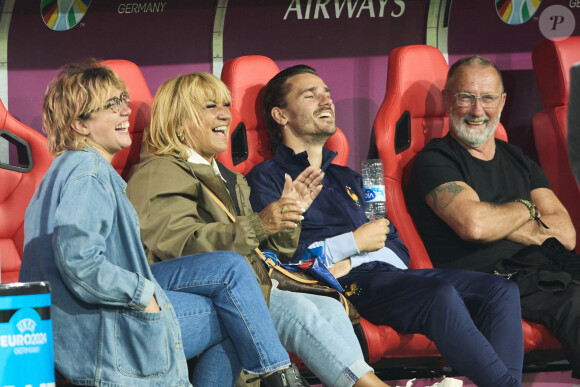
{"type": "Point", "coordinates": [532, 379]}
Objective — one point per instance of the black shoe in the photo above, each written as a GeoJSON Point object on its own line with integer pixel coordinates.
{"type": "Point", "coordinates": [288, 377]}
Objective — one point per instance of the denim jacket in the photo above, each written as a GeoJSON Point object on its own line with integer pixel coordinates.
{"type": "Point", "coordinates": [82, 235]}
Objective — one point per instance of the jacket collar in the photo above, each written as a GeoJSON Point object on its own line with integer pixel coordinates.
{"type": "Point", "coordinates": [204, 173]}
{"type": "Point", "coordinates": [286, 156]}
{"type": "Point", "coordinates": [117, 179]}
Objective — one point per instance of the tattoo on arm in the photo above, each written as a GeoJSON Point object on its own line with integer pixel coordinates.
{"type": "Point", "coordinates": [444, 194]}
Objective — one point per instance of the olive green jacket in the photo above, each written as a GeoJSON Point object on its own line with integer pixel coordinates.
{"type": "Point", "coordinates": [178, 217]}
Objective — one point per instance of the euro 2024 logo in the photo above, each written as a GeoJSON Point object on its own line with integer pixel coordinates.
{"type": "Point", "coordinates": [556, 22]}
{"type": "Point", "coordinates": [25, 325]}
{"type": "Point", "coordinates": [516, 12]}
{"type": "Point", "coordinates": [62, 15]}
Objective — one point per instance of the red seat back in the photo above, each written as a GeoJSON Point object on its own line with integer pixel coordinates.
{"type": "Point", "coordinates": [411, 114]}
{"type": "Point", "coordinates": [28, 160]}
{"type": "Point", "coordinates": [140, 104]}
{"type": "Point", "coordinates": [246, 77]}
{"type": "Point", "coordinates": [552, 62]}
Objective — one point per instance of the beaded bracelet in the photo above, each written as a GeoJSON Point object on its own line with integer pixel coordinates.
{"type": "Point", "coordinates": [533, 211]}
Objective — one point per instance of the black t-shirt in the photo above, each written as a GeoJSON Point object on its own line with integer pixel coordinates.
{"type": "Point", "coordinates": [508, 176]}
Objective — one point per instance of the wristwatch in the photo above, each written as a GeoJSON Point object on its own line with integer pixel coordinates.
{"type": "Point", "coordinates": [533, 211]}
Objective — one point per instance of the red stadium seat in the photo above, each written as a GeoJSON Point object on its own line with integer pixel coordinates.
{"type": "Point", "coordinates": [140, 104]}
{"type": "Point", "coordinates": [552, 62]}
{"type": "Point", "coordinates": [28, 160]}
{"type": "Point", "coordinates": [411, 114]}
{"type": "Point", "coordinates": [246, 77]}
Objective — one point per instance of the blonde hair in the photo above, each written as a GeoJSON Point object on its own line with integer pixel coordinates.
{"type": "Point", "coordinates": [177, 107]}
{"type": "Point", "coordinates": [73, 94]}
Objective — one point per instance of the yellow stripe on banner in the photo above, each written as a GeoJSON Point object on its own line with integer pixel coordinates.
{"type": "Point", "coordinates": [81, 6]}
{"type": "Point", "coordinates": [508, 12]}
{"type": "Point", "coordinates": [52, 21]}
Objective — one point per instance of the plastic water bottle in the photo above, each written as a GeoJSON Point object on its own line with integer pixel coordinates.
{"type": "Point", "coordinates": [373, 175]}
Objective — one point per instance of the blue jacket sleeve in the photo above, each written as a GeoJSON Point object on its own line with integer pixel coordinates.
{"type": "Point", "coordinates": [396, 244]}
{"type": "Point", "coordinates": [85, 218]}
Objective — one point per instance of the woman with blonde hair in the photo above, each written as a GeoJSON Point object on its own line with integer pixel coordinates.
{"type": "Point", "coordinates": [189, 203]}
{"type": "Point", "coordinates": [113, 323]}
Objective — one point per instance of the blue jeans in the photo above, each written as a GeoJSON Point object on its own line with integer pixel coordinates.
{"type": "Point", "coordinates": [473, 318]}
{"type": "Point", "coordinates": [318, 331]}
{"type": "Point", "coordinates": [222, 315]}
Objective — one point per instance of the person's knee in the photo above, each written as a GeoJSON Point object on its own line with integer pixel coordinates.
{"type": "Point", "coordinates": [511, 289]}
{"type": "Point", "coordinates": [504, 291]}
{"type": "Point", "coordinates": [293, 306]}
{"type": "Point", "coordinates": [444, 296]}
{"type": "Point", "coordinates": [332, 310]}
{"type": "Point", "coordinates": [234, 262]}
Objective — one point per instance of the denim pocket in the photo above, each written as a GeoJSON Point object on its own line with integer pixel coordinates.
{"type": "Point", "coordinates": [141, 343]}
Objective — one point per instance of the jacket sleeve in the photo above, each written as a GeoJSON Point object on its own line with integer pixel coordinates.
{"type": "Point", "coordinates": [395, 243]}
{"type": "Point", "coordinates": [85, 217]}
{"type": "Point", "coordinates": [178, 218]}
{"type": "Point", "coordinates": [265, 189]}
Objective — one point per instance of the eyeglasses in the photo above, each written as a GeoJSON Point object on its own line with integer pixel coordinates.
{"type": "Point", "coordinates": [468, 99]}
{"type": "Point", "coordinates": [113, 103]}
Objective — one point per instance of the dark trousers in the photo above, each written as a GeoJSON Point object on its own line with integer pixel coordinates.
{"type": "Point", "coordinates": [473, 318]}
{"type": "Point", "coordinates": [560, 313]}
{"type": "Point", "coordinates": [549, 280]}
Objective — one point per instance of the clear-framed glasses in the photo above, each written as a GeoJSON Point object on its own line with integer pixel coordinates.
{"type": "Point", "coordinates": [112, 103]}
{"type": "Point", "coordinates": [115, 103]}
{"type": "Point", "coordinates": [488, 100]}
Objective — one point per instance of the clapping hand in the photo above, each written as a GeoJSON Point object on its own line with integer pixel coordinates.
{"type": "Point", "coordinates": [306, 186]}
{"type": "Point", "coordinates": [296, 197]}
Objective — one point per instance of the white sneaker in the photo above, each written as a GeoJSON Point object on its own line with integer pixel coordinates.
{"type": "Point", "coordinates": [449, 382]}
{"type": "Point", "coordinates": [446, 382]}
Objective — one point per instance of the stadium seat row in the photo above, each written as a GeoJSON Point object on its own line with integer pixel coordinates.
{"type": "Point", "coordinates": [411, 114]}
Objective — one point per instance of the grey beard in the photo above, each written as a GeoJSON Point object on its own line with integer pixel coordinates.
{"type": "Point", "coordinates": [471, 139]}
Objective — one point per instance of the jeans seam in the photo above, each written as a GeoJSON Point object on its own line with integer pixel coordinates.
{"type": "Point", "coordinates": [315, 339]}
{"type": "Point", "coordinates": [235, 302]}
{"type": "Point", "coordinates": [258, 348]}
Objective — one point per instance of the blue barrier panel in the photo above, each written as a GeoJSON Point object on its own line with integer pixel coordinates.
{"type": "Point", "coordinates": [26, 349]}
